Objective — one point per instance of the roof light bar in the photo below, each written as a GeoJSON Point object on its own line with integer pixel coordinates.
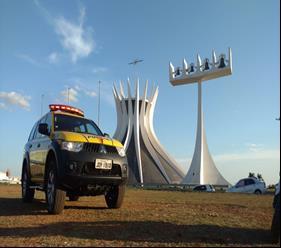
{"type": "Point", "coordinates": [66, 108]}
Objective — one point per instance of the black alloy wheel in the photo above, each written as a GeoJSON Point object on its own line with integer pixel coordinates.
{"type": "Point", "coordinates": [114, 196]}
{"type": "Point", "coordinates": [55, 197]}
{"type": "Point", "coordinates": [27, 192]}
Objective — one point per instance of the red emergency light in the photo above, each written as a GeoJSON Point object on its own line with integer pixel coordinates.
{"type": "Point", "coordinates": [66, 108]}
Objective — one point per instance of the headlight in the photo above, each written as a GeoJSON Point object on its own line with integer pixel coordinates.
{"type": "Point", "coordinates": [71, 146]}
{"type": "Point", "coordinates": [121, 151]}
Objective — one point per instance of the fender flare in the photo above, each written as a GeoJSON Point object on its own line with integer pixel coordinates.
{"type": "Point", "coordinates": [54, 149]}
{"type": "Point", "coordinates": [26, 158]}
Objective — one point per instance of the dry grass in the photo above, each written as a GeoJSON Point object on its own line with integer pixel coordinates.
{"type": "Point", "coordinates": [147, 218]}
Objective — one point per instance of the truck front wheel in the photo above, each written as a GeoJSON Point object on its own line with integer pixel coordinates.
{"type": "Point", "coordinates": [55, 197]}
{"type": "Point", "coordinates": [114, 196]}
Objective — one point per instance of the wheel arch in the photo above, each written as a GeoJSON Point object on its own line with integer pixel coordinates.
{"type": "Point", "coordinates": [258, 191]}
{"type": "Point", "coordinates": [25, 163]}
{"type": "Point", "coordinates": [51, 156]}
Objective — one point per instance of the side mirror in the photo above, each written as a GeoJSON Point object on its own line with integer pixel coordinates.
{"type": "Point", "coordinates": [43, 128]}
{"type": "Point", "coordinates": [106, 135]}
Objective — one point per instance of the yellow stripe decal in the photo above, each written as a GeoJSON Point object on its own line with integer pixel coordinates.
{"type": "Point", "coordinates": [76, 137]}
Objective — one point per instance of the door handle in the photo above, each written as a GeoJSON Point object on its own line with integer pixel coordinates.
{"type": "Point", "coordinates": [38, 145]}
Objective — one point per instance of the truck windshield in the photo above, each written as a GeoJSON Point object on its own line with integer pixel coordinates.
{"type": "Point", "coordinates": [75, 124]}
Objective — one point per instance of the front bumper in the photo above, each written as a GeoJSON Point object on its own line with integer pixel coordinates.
{"type": "Point", "coordinates": [77, 170]}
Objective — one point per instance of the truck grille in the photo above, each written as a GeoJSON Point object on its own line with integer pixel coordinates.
{"type": "Point", "coordinates": [92, 147]}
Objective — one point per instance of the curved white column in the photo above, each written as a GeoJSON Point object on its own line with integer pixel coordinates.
{"type": "Point", "coordinates": [136, 121]}
{"type": "Point", "coordinates": [202, 169]}
{"type": "Point", "coordinates": [130, 119]}
{"type": "Point", "coordinates": [136, 132]}
{"type": "Point", "coordinates": [119, 113]}
{"type": "Point", "coordinates": [125, 119]}
{"type": "Point", "coordinates": [154, 140]}
{"type": "Point", "coordinates": [145, 136]}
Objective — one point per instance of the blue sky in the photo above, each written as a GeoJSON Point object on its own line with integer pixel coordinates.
{"type": "Point", "coordinates": [49, 46]}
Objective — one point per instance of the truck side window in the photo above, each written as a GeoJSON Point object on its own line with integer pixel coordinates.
{"type": "Point", "coordinates": [49, 122]}
{"type": "Point", "coordinates": [32, 132]}
{"type": "Point", "coordinates": [37, 134]}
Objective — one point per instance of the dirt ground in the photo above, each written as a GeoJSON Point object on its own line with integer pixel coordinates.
{"type": "Point", "coordinates": [147, 218]}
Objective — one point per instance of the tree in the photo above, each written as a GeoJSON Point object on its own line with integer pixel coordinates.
{"type": "Point", "coordinates": [259, 177]}
{"type": "Point", "coordinates": [251, 174]}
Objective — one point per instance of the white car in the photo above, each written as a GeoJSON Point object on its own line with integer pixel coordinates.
{"type": "Point", "coordinates": [204, 188]}
{"type": "Point", "coordinates": [250, 185]}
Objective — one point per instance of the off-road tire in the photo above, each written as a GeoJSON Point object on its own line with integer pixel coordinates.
{"type": "Point", "coordinates": [26, 191]}
{"type": "Point", "coordinates": [114, 197]}
{"type": "Point", "coordinates": [55, 197]}
{"type": "Point", "coordinates": [275, 226]}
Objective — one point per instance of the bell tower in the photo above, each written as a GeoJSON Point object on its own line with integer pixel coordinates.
{"type": "Point", "coordinates": [202, 169]}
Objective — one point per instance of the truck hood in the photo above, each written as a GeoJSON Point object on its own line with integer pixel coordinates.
{"type": "Point", "coordinates": [86, 138]}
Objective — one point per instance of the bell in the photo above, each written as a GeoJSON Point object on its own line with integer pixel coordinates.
{"type": "Point", "coordinates": [191, 68]}
{"type": "Point", "coordinates": [177, 72]}
{"type": "Point", "coordinates": [206, 65]}
{"type": "Point", "coordinates": [222, 61]}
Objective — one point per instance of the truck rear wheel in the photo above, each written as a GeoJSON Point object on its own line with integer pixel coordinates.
{"type": "Point", "coordinates": [114, 197]}
{"type": "Point", "coordinates": [275, 225]}
{"type": "Point", "coordinates": [72, 197]}
{"type": "Point", "coordinates": [26, 191]}
{"type": "Point", "coordinates": [55, 197]}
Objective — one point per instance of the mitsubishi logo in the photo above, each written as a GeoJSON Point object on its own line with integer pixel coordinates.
{"type": "Point", "coordinates": [102, 149]}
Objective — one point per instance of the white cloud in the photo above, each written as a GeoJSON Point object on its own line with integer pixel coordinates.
{"type": "Point", "coordinates": [70, 94]}
{"type": "Point", "coordinates": [79, 90]}
{"type": "Point", "coordinates": [2, 105]}
{"type": "Point", "coordinates": [254, 147]}
{"type": "Point", "coordinates": [263, 155]}
{"type": "Point", "coordinates": [235, 166]}
{"type": "Point", "coordinates": [77, 87]}
{"type": "Point", "coordinates": [84, 90]}
{"type": "Point", "coordinates": [44, 11]}
{"type": "Point", "coordinates": [14, 98]}
{"type": "Point", "coordinates": [53, 58]}
{"type": "Point", "coordinates": [28, 59]}
{"type": "Point", "coordinates": [90, 93]}
{"type": "Point", "coordinates": [74, 37]}
{"type": "Point", "coordinates": [99, 70]}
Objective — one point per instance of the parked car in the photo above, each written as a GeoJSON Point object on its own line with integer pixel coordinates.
{"type": "Point", "coordinates": [250, 185]}
{"type": "Point", "coordinates": [275, 227]}
{"type": "Point", "coordinates": [204, 188]}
